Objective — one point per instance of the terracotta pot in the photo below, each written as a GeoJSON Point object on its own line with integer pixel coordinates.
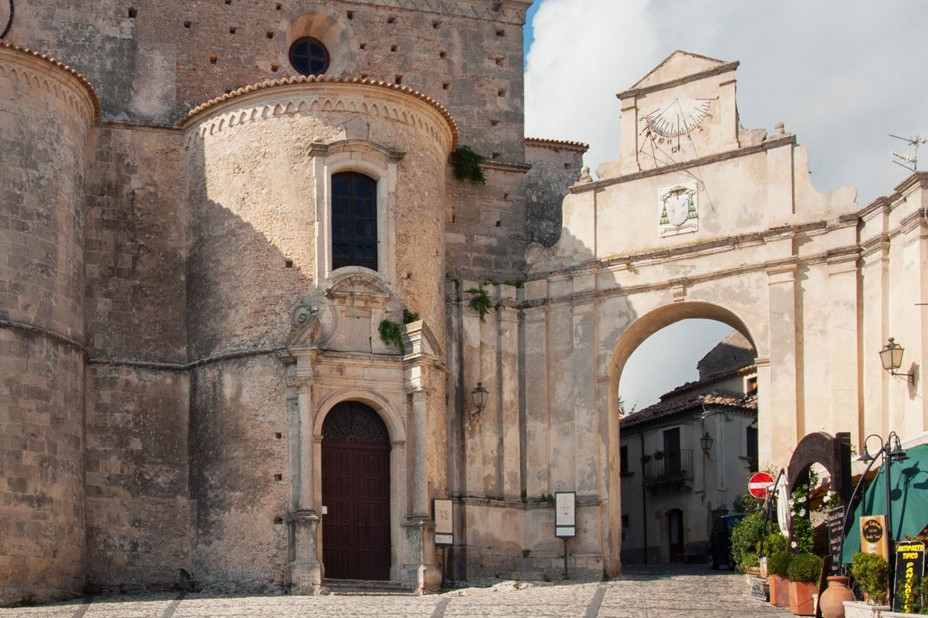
{"type": "Point", "coordinates": [832, 601]}
{"type": "Point", "coordinates": [779, 590]}
{"type": "Point", "coordinates": [801, 602]}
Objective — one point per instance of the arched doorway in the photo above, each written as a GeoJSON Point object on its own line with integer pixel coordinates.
{"type": "Point", "coordinates": [356, 493]}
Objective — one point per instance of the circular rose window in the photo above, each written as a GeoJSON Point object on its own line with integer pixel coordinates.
{"type": "Point", "coordinates": [309, 56]}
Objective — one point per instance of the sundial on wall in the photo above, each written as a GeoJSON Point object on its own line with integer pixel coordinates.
{"type": "Point", "coordinates": [679, 117]}
{"type": "Point", "coordinates": [6, 16]}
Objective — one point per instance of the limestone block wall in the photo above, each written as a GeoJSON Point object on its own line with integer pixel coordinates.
{"type": "Point", "coordinates": [555, 167]}
{"type": "Point", "coordinates": [137, 386]}
{"type": "Point", "coordinates": [487, 230]}
{"type": "Point", "coordinates": [46, 113]}
{"type": "Point", "coordinates": [153, 61]}
{"type": "Point", "coordinates": [239, 475]}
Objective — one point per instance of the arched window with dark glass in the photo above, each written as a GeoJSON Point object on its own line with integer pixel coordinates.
{"type": "Point", "coordinates": [354, 220]}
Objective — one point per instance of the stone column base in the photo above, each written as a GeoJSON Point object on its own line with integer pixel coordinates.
{"type": "Point", "coordinates": [420, 573]}
{"type": "Point", "coordinates": [305, 567]}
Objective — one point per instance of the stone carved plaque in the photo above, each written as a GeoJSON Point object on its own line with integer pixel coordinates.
{"type": "Point", "coordinates": [678, 209]}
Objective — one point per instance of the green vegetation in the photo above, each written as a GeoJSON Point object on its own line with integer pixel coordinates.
{"type": "Point", "coordinates": [391, 333]}
{"type": "Point", "coordinates": [745, 540]}
{"type": "Point", "coordinates": [804, 568]}
{"type": "Point", "coordinates": [466, 165]}
{"type": "Point", "coordinates": [870, 573]}
{"type": "Point", "coordinates": [480, 302]}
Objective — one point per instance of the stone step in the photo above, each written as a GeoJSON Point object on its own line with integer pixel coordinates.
{"type": "Point", "coordinates": [346, 587]}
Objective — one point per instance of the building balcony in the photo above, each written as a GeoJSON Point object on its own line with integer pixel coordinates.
{"type": "Point", "coordinates": [675, 467]}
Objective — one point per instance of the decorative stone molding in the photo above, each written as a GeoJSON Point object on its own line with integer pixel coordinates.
{"type": "Point", "coordinates": [306, 95]}
{"type": "Point", "coordinates": [42, 71]}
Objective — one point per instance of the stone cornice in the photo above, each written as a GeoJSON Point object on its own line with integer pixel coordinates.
{"type": "Point", "coordinates": [321, 94]}
{"type": "Point", "coordinates": [556, 144]}
{"type": "Point", "coordinates": [41, 67]}
{"type": "Point", "coordinates": [698, 162]}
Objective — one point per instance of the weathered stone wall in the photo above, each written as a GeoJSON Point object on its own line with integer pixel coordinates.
{"type": "Point", "coordinates": [239, 474]}
{"type": "Point", "coordinates": [138, 532]}
{"type": "Point", "coordinates": [153, 61]}
{"type": "Point", "coordinates": [137, 388]}
{"type": "Point", "coordinates": [45, 119]}
{"type": "Point", "coordinates": [136, 245]}
{"type": "Point", "coordinates": [486, 226]}
{"type": "Point", "coordinates": [555, 166]}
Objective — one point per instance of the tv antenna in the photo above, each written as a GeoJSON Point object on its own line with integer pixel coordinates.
{"type": "Point", "coordinates": [908, 161]}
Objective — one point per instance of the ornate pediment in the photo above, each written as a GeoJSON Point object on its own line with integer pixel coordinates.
{"type": "Point", "coordinates": [359, 287]}
{"type": "Point", "coordinates": [680, 65]}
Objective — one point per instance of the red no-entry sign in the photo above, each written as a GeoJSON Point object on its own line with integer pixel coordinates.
{"type": "Point", "coordinates": [760, 484]}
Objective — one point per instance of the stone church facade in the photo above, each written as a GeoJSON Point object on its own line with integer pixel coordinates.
{"type": "Point", "coordinates": [244, 301]}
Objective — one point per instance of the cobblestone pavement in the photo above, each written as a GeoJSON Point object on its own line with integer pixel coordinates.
{"type": "Point", "coordinates": [641, 592]}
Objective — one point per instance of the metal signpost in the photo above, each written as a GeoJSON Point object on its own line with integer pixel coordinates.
{"type": "Point", "coordinates": [565, 519]}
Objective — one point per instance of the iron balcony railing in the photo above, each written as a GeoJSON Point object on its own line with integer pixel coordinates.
{"type": "Point", "coordinates": [674, 466]}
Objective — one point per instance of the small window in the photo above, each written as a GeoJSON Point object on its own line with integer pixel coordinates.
{"type": "Point", "coordinates": [354, 220]}
{"type": "Point", "coordinates": [750, 439]}
{"type": "Point", "coordinates": [623, 460]}
{"type": "Point", "coordinates": [309, 56]}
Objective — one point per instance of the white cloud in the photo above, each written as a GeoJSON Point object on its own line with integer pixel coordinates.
{"type": "Point", "coordinates": [841, 74]}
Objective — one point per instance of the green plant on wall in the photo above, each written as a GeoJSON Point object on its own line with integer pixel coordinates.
{"type": "Point", "coordinates": [480, 302]}
{"type": "Point", "coordinates": [409, 316]}
{"type": "Point", "coordinates": [391, 333]}
{"type": "Point", "coordinates": [466, 165]}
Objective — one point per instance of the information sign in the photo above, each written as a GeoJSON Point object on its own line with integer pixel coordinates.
{"type": "Point", "coordinates": [910, 565]}
{"type": "Point", "coordinates": [835, 536]}
{"type": "Point", "coordinates": [444, 522]}
{"type": "Point", "coordinates": [565, 514]}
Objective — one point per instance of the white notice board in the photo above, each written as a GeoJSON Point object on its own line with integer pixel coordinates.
{"type": "Point", "coordinates": [565, 514]}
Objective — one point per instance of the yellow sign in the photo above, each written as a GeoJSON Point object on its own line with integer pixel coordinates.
{"type": "Point", "coordinates": [873, 535]}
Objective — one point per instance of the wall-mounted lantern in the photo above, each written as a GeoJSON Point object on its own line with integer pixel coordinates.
{"type": "Point", "coordinates": [891, 357]}
{"type": "Point", "coordinates": [479, 396]}
{"type": "Point", "coordinates": [706, 443]}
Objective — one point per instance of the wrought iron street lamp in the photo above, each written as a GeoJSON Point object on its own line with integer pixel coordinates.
{"type": "Point", "coordinates": [891, 450]}
{"type": "Point", "coordinates": [479, 396]}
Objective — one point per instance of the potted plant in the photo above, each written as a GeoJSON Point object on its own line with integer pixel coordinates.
{"type": "Point", "coordinates": [658, 455]}
{"type": "Point", "coordinates": [803, 572]}
{"type": "Point", "coordinates": [777, 567]}
{"type": "Point", "coordinates": [870, 573]}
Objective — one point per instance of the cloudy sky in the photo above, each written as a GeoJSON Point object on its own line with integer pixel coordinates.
{"type": "Point", "coordinates": [841, 74]}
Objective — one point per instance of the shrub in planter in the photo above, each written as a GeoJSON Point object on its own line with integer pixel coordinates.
{"type": "Point", "coordinates": [804, 568]}
{"type": "Point", "coordinates": [803, 572]}
{"type": "Point", "coordinates": [777, 565]}
{"type": "Point", "coordinates": [870, 573]}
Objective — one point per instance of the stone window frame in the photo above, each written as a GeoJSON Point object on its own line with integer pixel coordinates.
{"type": "Point", "coordinates": [375, 161]}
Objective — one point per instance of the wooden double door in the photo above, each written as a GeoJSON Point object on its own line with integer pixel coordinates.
{"type": "Point", "coordinates": [356, 493]}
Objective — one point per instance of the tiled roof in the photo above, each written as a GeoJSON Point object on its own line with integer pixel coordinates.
{"type": "Point", "coordinates": [556, 143]}
{"type": "Point", "coordinates": [60, 65]}
{"type": "Point", "coordinates": [674, 406]}
{"type": "Point", "coordinates": [324, 79]}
